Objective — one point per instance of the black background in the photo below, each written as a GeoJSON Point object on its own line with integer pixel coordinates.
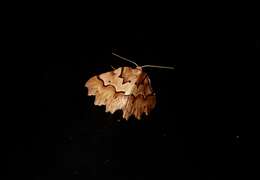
{"type": "Point", "coordinates": [191, 133]}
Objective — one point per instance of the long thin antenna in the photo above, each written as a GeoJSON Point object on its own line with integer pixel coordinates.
{"type": "Point", "coordinates": [124, 59]}
{"type": "Point", "coordinates": [155, 66]}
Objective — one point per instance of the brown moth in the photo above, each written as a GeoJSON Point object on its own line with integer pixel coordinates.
{"type": "Point", "coordinates": [125, 88]}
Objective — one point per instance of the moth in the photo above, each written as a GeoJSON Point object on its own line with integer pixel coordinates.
{"type": "Point", "coordinates": [125, 88]}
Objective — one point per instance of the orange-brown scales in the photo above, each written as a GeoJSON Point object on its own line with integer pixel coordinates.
{"type": "Point", "coordinates": [125, 88]}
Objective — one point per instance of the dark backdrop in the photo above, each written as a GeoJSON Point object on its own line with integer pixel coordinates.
{"type": "Point", "coordinates": [62, 134]}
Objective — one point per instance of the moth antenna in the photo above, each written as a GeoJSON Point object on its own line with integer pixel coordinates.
{"type": "Point", "coordinates": [125, 59]}
{"type": "Point", "coordinates": [155, 66]}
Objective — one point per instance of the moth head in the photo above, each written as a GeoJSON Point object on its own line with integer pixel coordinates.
{"type": "Point", "coordinates": [139, 68]}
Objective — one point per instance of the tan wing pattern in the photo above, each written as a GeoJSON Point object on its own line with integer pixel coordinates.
{"type": "Point", "coordinates": [125, 88]}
